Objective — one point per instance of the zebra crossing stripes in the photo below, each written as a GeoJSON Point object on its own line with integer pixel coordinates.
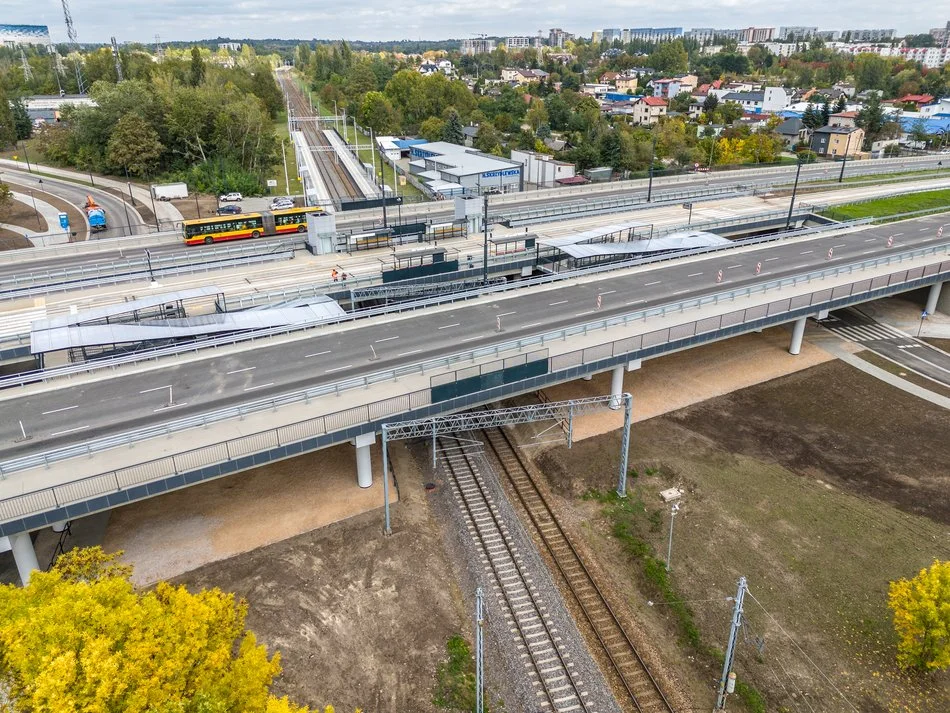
{"type": "Point", "coordinates": [865, 332]}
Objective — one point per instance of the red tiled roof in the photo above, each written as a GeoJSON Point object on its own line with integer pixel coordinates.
{"type": "Point", "coordinates": [916, 98]}
{"type": "Point", "coordinates": [653, 101]}
{"type": "Point", "coordinates": [847, 114]}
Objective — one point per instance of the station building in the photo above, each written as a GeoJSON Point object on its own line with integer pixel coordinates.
{"type": "Point", "coordinates": [453, 170]}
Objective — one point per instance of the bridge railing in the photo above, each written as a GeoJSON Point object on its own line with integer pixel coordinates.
{"type": "Point", "coordinates": [540, 341]}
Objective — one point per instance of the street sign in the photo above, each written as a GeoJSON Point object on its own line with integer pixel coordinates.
{"type": "Point", "coordinates": [687, 206]}
{"type": "Point", "coordinates": [271, 183]}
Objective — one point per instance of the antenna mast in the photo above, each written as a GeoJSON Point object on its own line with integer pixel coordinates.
{"type": "Point", "coordinates": [25, 65]}
{"type": "Point", "coordinates": [71, 33]}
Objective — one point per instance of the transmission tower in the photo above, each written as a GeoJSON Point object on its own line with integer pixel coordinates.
{"type": "Point", "coordinates": [117, 60]}
{"type": "Point", "coordinates": [58, 66]}
{"type": "Point", "coordinates": [159, 50]}
{"type": "Point", "coordinates": [25, 65]}
{"type": "Point", "coordinates": [71, 33]}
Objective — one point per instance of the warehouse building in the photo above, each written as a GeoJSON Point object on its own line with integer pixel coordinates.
{"type": "Point", "coordinates": [452, 170]}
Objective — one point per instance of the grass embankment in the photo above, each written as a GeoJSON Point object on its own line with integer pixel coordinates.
{"type": "Point", "coordinates": [892, 205]}
{"type": "Point", "coordinates": [292, 185]}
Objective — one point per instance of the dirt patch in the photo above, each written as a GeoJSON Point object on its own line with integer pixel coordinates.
{"type": "Point", "coordinates": [77, 223]}
{"type": "Point", "coordinates": [13, 241]}
{"type": "Point", "coordinates": [812, 486]}
{"type": "Point", "coordinates": [942, 344]}
{"type": "Point", "coordinates": [361, 619]}
{"type": "Point", "coordinates": [189, 209]}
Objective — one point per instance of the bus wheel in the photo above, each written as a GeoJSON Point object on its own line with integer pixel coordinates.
{"type": "Point", "coordinates": [256, 234]}
{"type": "Point", "coordinates": [209, 240]}
{"type": "Point", "coordinates": [301, 228]}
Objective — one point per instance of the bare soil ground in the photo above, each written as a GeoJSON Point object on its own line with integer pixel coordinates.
{"type": "Point", "coordinates": [13, 241]}
{"type": "Point", "coordinates": [361, 619]}
{"type": "Point", "coordinates": [23, 214]}
{"type": "Point", "coordinates": [207, 205]}
{"type": "Point", "coordinates": [820, 487]}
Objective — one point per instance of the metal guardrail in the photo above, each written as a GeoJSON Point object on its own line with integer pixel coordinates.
{"type": "Point", "coordinates": [113, 481]}
{"type": "Point", "coordinates": [538, 340]}
{"type": "Point", "coordinates": [29, 377]}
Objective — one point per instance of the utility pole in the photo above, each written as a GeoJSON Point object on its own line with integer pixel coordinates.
{"type": "Point", "coordinates": [669, 547]}
{"type": "Point", "coordinates": [283, 153]}
{"type": "Point", "coordinates": [485, 251]}
{"type": "Point", "coordinates": [652, 159]}
{"type": "Point", "coordinates": [727, 682]}
{"type": "Point", "coordinates": [117, 60]}
{"type": "Point", "coordinates": [844, 160]}
{"type": "Point", "coordinates": [791, 205]}
{"type": "Point", "coordinates": [25, 66]}
{"type": "Point", "coordinates": [479, 653]}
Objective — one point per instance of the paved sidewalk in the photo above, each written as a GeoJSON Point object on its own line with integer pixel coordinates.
{"type": "Point", "coordinates": [53, 233]}
{"type": "Point", "coordinates": [902, 313]}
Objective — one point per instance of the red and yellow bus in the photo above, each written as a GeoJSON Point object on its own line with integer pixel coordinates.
{"type": "Point", "coordinates": [246, 225]}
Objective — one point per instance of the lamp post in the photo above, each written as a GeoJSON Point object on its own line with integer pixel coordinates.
{"type": "Point", "coordinates": [669, 547]}
{"type": "Point", "coordinates": [652, 159]}
{"type": "Point", "coordinates": [485, 247]}
{"type": "Point", "coordinates": [791, 205]}
{"type": "Point", "coordinates": [844, 160]}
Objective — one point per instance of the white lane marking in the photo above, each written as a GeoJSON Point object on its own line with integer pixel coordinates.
{"type": "Point", "coordinates": [608, 292]}
{"type": "Point", "coordinates": [533, 324]}
{"type": "Point", "coordinates": [839, 246]}
{"type": "Point", "coordinates": [449, 326]}
{"type": "Point", "coordinates": [505, 314]}
{"type": "Point", "coordinates": [733, 267]}
{"type": "Point", "coordinates": [339, 368]}
{"type": "Point", "coordinates": [307, 356]}
{"type": "Point", "coordinates": [69, 430]}
{"type": "Point", "coordinates": [636, 302]}
{"type": "Point", "coordinates": [695, 274]}
{"type": "Point", "coordinates": [57, 410]}
{"type": "Point", "coordinates": [259, 386]}
{"type": "Point", "coordinates": [650, 284]}
{"type": "Point", "coordinates": [769, 259]}
{"type": "Point", "coordinates": [581, 314]}
{"type": "Point", "coordinates": [924, 230]}
{"type": "Point", "coordinates": [238, 371]}
{"type": "Point", "coordinates": [896, 235]}
{"type": "Point", "coordinates": [806, 252]}
{"type": "Point", "coordinates": [866, 252]}
{"type": "Point", "coordinates": [387, 339]}
{"type": "Point", "coordinates": [681, 292]}
{"type": "Point", "coordinates": [414, 351]}
{"type": "Point", "coordinates": [157, 388]}
{"type": "Point", "coordinates": [166, 407]}
{"type": "Point", "coordinates": [559, 302]}
{"type": "Point", "coordinates": [870, 240]}
{"type": "Point", "coordinates": [470, 339]}
{"type": "Point", "coordinates": [927, 361]}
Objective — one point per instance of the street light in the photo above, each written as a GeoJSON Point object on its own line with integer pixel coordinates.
{"type": "Point", "coordinates": [669, 548]}
{"type": "Point", "coordinates": [791, 205]}
{"type": "Point", "coordinates": [652, 159]}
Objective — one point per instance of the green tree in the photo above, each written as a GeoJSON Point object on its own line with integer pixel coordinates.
{"type": "Point", "coordinates": [487, 139]}
{"type": "Point", "coordinates": [670, 58]}
{"type": "Point", "coordinates": [197, 74]}
{"type": "Point", "coordinates": [559, 113]}
{"type": "Point", "coordinates": [710, 103]}
{"type": "Point", "coordinates": [377, 113]}
{"type": "Point", "coordinates": [918, 132]}
{"type": "Point", "coordinates": [825, 113]}
{"type": "Point", "coordinates": [730, 111]}
{"type": "Point", "coordinates": [81, 638]}
{"type": "Point", "coordinates": [6, 200]}
{"type": "Point", "coordinates": [681, 102]}
{"type": "Point", "coordinates": [921, 609]}
{"type": "Point", "coordinates": [841, 105]}
{"type": "Point", "coordinates": [432, 129]}
{"type": "Point", "coordinates": [871, 119]}
{"type": "Point", "coordinates": [537, 114]}
{"type": "Point", "coordinates": [134, 145]}
{"type": "Point", "coordinates": [21, 119]}
{"type": "Point", "coordinates": [452, 131]}
{"type": "Point", "coordinates": [8, 130]}
{"type": "Point", "coordinates": [870, 71]}
{"type": "Point", "coordinates": [360, 79]}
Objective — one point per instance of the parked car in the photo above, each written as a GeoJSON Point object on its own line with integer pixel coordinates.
{"type": "Point", "coordinates": [281, 203]}
{"type": "Point", "coordinates": [231, 197]}
{"type": "Point", "coordinates": [230, 210]}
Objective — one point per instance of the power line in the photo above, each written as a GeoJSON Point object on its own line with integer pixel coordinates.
{"type": "Point", "coordinates": [802, 651]}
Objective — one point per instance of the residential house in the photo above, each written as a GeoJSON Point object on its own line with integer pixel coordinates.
{"type": "Point", "coordinates": [469, 132]}
{"type": "Point", "coordinates": [561, 57]}
{"type": "Point", "coordinates": [844, 118]}
{"type": "Point", "coordinates": [648, 110]}
{"type": "Point", "coordinates": [443, 66]}
{"type": "Point", "coordinates": [845, 88]}
{"type": "Point", "coordinates": [626, 82]}
{"type": "Point", "coordinates": [918, 100]}
{"type": "Point", "coordinates": [837, 140]}
{"type": "Point", "coordinates": [523, 76]}
{"type": "Point", "coordinates": [609, 78]}
{"type": "Point", "coordinates": [670, 87]}
{"type": "Point", "coordinates": [793, 131]}
{"type": "Point", "coordinates": [770, 99]}
{"type": "Point", "coordinates": [595, 90]}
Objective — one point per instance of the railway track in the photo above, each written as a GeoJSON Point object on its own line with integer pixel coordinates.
{"type": "Point", "coordinates": [555, 683]}
{"type": "Point", "coordinates": [338, 180]}
{"type": "Point", "coordinates": [641, 688]}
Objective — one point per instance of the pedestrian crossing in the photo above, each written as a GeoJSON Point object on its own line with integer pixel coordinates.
{"type": "Point", "coordinates": [864, 332]}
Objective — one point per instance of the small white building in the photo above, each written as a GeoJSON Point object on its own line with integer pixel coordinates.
{"type": "Point", "coordinates": [442, 66]}
{"type": "Point", "coordinates": [542, 169]}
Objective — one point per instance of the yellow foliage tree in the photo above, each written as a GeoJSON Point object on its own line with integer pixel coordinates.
{"type": "Point", "coordinates": [81, 638]}
{"type": "Point", "coordinates": [922, 618]}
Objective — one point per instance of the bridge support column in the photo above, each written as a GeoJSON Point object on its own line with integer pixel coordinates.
{"type": "Point", "coordinates": [798, 331]}
{"type": "Point", "coordinates": [616, 387]}
{"type": "Point", "coordinates": [588, 377]}
{"type": "Point", "coordinates": [364, 463]}
{"type": "Point", "coordinates": [932, 297]}
{"type": "Point", "coordinates": [24, 555]}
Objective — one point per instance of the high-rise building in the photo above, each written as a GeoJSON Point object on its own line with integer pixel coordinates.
{"type": "Point", "coordinates": [557, 37]}
{"type": "Point", "coordinates": [654, 34]}
{"type": "Point", "coordinates": [521, 43]}
{"type": "Point", "coordinates": [867, 35]}
{"type": "Point", "coordinates": [477, 46]}
{"type": "Point", "coordinates": [612, 33]}
{"type": "Point", "coordinates": [941, 36]}
{"type": "Point", "coordinates": [24, 35]}
{"type": "Point", "coordinates": [797, 33]}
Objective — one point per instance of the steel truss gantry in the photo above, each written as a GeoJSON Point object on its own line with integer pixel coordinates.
{"type": "Point", "coordinates": [563, 411]}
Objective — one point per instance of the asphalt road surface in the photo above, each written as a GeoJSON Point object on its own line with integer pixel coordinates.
{"type": "Point", "coordinates": [120, 221]}
{"type": "Point", "coordinates": [891, 343]}
{"type": "Point", "coordinates": [78, 412]}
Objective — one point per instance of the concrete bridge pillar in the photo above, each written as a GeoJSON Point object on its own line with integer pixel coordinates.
{"type": "Point", "coordinates": [24, 555]}
{"type": "Point", "coordinates": [616, 387]}
{"type": "Point", "coordinates": [588, 377]}
{"type": "Point", "coordinates": [933, 297]}
{"type": "Point", "coordinates": [798, 331]}
{"type": "Point", "coordinates": [364, 462]}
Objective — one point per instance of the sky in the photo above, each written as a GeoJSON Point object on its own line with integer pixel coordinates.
{"type": "Point", "coordinates": [182, 20]}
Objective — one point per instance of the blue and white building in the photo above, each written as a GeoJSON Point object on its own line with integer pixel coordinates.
{"type": "Point", "coordinates": [450, 170]}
